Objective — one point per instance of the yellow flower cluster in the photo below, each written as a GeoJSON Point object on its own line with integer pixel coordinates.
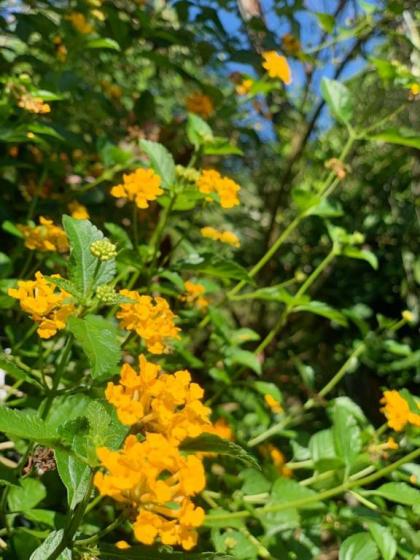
{"type": "Point", "coordinates": [80, 23]}
{"type": "Point", "coordinates": [45, 237]}
{"type": "Point", "coordinates": [151, 318]}
{"type": "Point", "coordinates": [397, 411]}
{"type": "Point", "coordinates": [277, 66]}
{"type": "Point", "coordinates": [44, 302]}
{"type": "Point", "coordinates": [152, 475]}
{"type": "Point", "coordinates": [273, 404]}
{"type": "Point", "coordinates": [164, 403]}
{"type": "Point", "coordinates": [194, 294]}
{"type": "Point", "coordinates": [272, 452]}
{"type": "Point", "coordinates": [224, 236]}
{"type": "Point", "coordinates": [210, 181]}
{"type": "Point", "coordinates": [78, 211]}
{"type": "Point", "coordinates": [244, 87]}
{"type": "Point", "coordinates": [199, 104]}
{"type": "Point", "coordinates": [33, 104]}
{"type": "Point", "coordinates": [141, 186]}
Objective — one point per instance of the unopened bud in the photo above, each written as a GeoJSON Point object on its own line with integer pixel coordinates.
{"type": "Point", "coordinates": [103, 249]}
{"type": "Point", "coordinates": [106, 294]}
{"type": "Point", "coordinates": [408, 316]}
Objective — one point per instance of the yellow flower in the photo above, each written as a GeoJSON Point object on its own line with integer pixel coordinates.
{"type": "Point", "coordinates": [159, 402]}
{"type": "Point", "coordinates": [244, 87]}
{"type": "Point", "coordinates": [222, 429]}
{"type": "Point", "coordinates": [210, 181]}
{"type": "Point", "coordinates": [273, 404]}
{"type": "Point", "coordinates": [141, 187]}
{"type": "Point", "coordinates": [33, 104]}
{"type": "Point", "coordinates": [78, 211]}
{"type": "Point", "coordinates": [122, 545]}
{"type": "Point", "coordinates": [277, 66]}
{"type": "Point", "coordinates": [415, 89]}
{"type": "Point", "coordinates": [272, 452]}
{"type": "Point", "coordinates": [80, 23]}
{"type": "Point", "coordinates": [156, 479]}
{"type": "Point", "coordinates": [408, 316]}
{"type": "Point", "coordinates": [224, 236]}
{"type": "Point", "coordinates": [397, 411]}
{"type": "Point", "coordinates": [199, 104]}
{"type": "Point", "coordinates": [45, 237]}
{"type": "Point", "coordinates": [44, 302]}
{"type": "Point", "coordinates": [151, 318]}
{"type": "Point", "coordinates": [391, 443]}
{"type": "Point", "coordinates": [194, 294]}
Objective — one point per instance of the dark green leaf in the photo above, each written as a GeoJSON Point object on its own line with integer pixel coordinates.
{"type": "Point", "coordinates": [215, 266]}
{"type": "Point", "coordinates": [401, 137]}
{"type": "Point", "coordinates": [75, 476]}
{"type": "Point", "coordinates": [363, 254]}
{"type": "Point", "coordinates": [243, 358]}
{"type": "Point", "coordinates": [399, 492]}
{"type": "Point", "coordinates": [323, 309]}
{"type": "Point", "coordinates": [26, 496]}
{"type": "Point", "coordinates": [161, 161]}
{"type": "Point", "coordinates": [359, 547]}
{"type": "Point", "coordinates": [26, 424]}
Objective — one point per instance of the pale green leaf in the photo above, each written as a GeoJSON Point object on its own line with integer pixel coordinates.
{"type": "Point", "coordinates": [359, 546]}
{"type": "Point", "coordinates": [75, 476]}
{"type": "Point", "coordinates": [338, 99]}
{"type": "Point", "coordinates": [161, 161]}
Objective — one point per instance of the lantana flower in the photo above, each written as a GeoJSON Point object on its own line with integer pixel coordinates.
{"type": "Point", "coordinates": [277, 66]}
{"type": "Point", "coordinates": [227, 237]}
{"type": "Point", "coordinates": [211, 181]}
{"type": "Point", "coordinates": [141, 186]}
{"type": "Point", "coordinates": [47, 236]}
{"type": "Point", "coordinates": [398, 412]}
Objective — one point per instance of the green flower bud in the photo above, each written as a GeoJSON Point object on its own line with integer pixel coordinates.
{"type": "Point", "coordinates": [103, 249]}
{"type": "Point", "coordinates": [187, 173]}
{"type": "Point", "coordinates": [106, 294]}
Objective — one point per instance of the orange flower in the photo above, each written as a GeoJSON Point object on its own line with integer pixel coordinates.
{"type": "Point", "coordinates": [273, 404]}
{"type": "Point", "coordinates": [398, 412]}
{"type": "Point", "coordinates": [153, 477]}
{"type": "Point", "coordinates": [194, 294]}
{"type": "Point", "coordinates": [159, 402]}
{"type": "Point", "coordinates": [210, 181]}
{"type": "Point", "coordinates": [78, 211]}
{"type": "Point", "coordinates": [277, 66]}
{"type": "Point", "coordinates": [44, 302]}
{"type": "Point", "coordinates": [45, 237]}
{"type": "Point", "coordinates": [222, 429]}
{"type": "Point", "coordinates": [141, 187]}
{"type": "Point", "coordinates": [271, 451]}
{"type": "Point", "coordinates": [227, 237]}
{"type": "Point", "coordinates": [151, 318]}
{"type": "Point", "coordinates": [244, 87]}
{"type": "Point", "coordinates": [33, 104]}
{"type": "Point", "coordinates": [200, 104]}
{"type": "Point", "coordinates": [80, 23]}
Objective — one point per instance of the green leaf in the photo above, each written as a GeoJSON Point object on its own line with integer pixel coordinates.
{"type": "Point", "coordinates": [326, 21]}
{"type": "Point", "coordinates": [211, 443]}
{"type": "Point", "coordinates": [402, 137]}
{"type": "Point", "coordinates": [26, 496]}
{"type": "Point", "coordinates": [26, 424]}
{"type": "Point", "coordinates": [75, 476]}
{"type": "Point", "coordinates": [338, 98]}
{"type": "Point", "coordinates": [9, 366]}
{"type": "Point", "coordinates": [217, 518]}
{"type": "Point", "coordinates": [48, 546]}
{"type": "Point", "coordinates": [254, 482]}
{"type": "Point", "coordinates": [7, 476]}
{"type": "Point", "coordinates": [399, 492]}
{"type": "Point", "coordinates": [359, 547]}
{"type": "Point", "coordinates": [214, 266]}
{"type": "Point", "coordinates": [198, 131]}
{"type": "Point", "coordinates": [383, 539]}
{"type": "Point", "coordinates": [148, 553]}
{"type": "Point", "coordinates": [266, 388]}
{"type": "Point", "coordinates": [363, 254]}
{"type": "Point", "coordinates": [83, 268]}
{"type": "Point", "coordinates": [243, 358]}
{"type": "Point", "coordinates": [99, 339]}
{"type": "Point", "coordinates": [323, 452]}
{"type": "Point", "coordinates": [221, 147]}
{"type": "Point", "coordinates": [346, 435]}
{"type": "Point", "coordinates": [161, 161]}
{"type": "Point", "coordinates": [119, 235]}
{"type": "Point", "coordinates": [323, 309]}
{"type": "Point", "coordinates": [103, 43]}
{"type": "Point", "coordinates": [236, 542]}
{"type": "Point", "coordinates": [286, 490]}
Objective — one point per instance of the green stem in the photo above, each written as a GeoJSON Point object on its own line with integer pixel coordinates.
{"type": "Point", "coordinates": [97, 536]}
{"type": "Point", "coordinates": [57, 377]}
{"type": "Point", "coordinates": [135, 227]}
{"type": "Point", "coordinates": [301, 502]}
{"type": "Point", "coordinates": [360, 348]}
{"type": "Point", "coordinates": [157, 235]}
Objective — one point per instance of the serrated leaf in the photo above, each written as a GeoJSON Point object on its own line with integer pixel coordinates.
{"type": "Point", "coordinates": [383, 539]}
{"type": "Point", "coordinates": [74, 474]}
{"type": "Point", "coordinates": [198, 131]}
{"type": "Point", "coordinates": [48, 546]}
{"type": "Point", "coordinates": [398, 492]}
{"type": "Point", "coordinates": [323, 309]}
{"type": "Point", "coordinates": [211, 443]}
{"type": "Point", "coordinates": [338, 99]}
{"type": "Point", "coordinates": [26, 424]}
{"type": "Point", "coordinates": [26, 496]}
{"type": "Point", "coordinates": [98, 338]}
{"type": "Point", "coordinates": [66, 285]}
{"type": "Point", "coordinates": [83, 270]}
{"type": "Point", "coordinates": [359, 547]}
{"type": "Point", "coordinates": [161, 160]}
